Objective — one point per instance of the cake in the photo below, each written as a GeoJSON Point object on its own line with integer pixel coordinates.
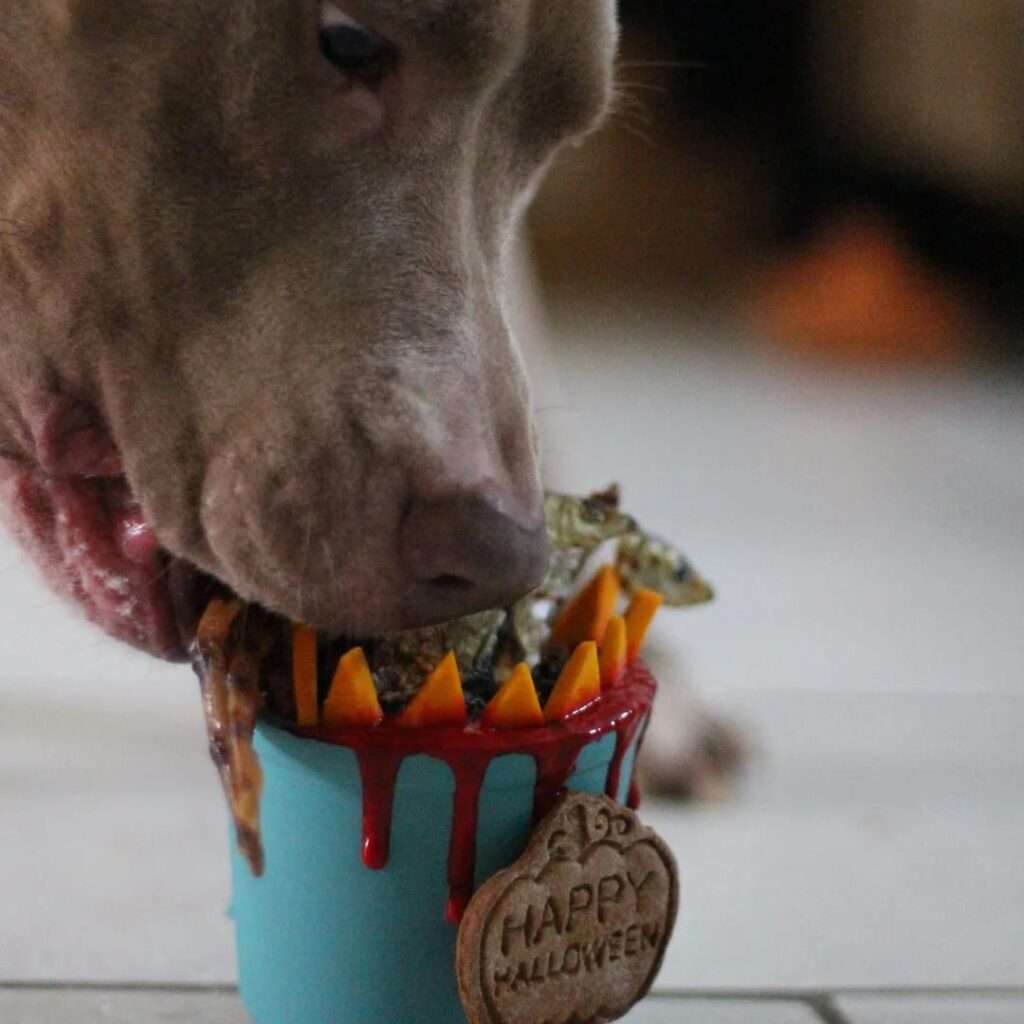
{"type": "Point", "coordinates": [375, 783]}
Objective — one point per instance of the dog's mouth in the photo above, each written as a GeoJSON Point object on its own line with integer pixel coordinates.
{"type": "Point", "coordinates": [74, 510]}
{"type": "Point", "coordinates": [92, 541]}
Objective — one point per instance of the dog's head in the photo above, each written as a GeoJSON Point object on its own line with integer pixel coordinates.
{"type": "Point", "coordinates": [251, 278]}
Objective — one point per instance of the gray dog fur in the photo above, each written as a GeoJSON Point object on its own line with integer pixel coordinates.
{"type": "Point", "coordinates": [281, 292]}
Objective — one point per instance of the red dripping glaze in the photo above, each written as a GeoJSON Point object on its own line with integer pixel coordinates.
{"type": "Point", "coordinates": [469, 775]}
{"type": "Point", "coordinates": [635, 797]}
{"type": "Point", "coordinates": [468, 751]}
{"type": "Point", "coordinates": [623, 741]}
{"type": "Point", "coordinates": [379, 772]}
{"type": "Point", "coordinates": [554, 769]}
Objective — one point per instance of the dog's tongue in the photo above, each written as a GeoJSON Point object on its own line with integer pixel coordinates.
{"type": "Point", "coordinates": [93, 541]}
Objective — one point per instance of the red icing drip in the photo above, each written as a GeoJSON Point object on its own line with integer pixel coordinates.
{"type": "Point", "coordinates": [635, 797]}
{"type": "Point", "coordinates": [469, 751]}
{"type": "Point", "coordinates": [469, 775]}
{"type": "Point", "coordinates": [379, 771]}
{"type": "Point", "coordinates": [625, 735]}
{"type": "Point", "coordinates": [554, 769]}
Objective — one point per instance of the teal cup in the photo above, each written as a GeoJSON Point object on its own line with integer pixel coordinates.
{"type": "Point", "coordinates": [321, 938]}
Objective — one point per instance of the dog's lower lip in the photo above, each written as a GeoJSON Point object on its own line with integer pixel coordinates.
{"type": "Point", "coordinates": [91, 539]}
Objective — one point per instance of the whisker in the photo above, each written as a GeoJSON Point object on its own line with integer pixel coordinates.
{"type": "Point", "coordinates": [627, 104]}
{"type": "Point", "coordinates": [640, 118]}
{"type": "Point", "coordinates": [638, 133]}
{"type": "Point", "coordinates": [677, 65]}
{"type": "Point", "coordinates": [628, 101]}
{"type": "Point", "coordinates": [647, 86]}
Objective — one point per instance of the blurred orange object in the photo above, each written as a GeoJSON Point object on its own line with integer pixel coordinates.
{"type": "Point", "coordinates": [858, 294]}
{"type": "Point", "coordinates": [639, 616]}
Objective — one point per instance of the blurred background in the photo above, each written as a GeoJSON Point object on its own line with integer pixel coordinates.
{"type": "Point", "coordinates": [785, 288]}
{"type": "Point", "coordinates": [780, 299]}
{"type": "Point", "coordinates": [847, 178]}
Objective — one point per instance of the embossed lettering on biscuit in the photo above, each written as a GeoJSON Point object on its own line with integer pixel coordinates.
{"type": "Point", "coordinates": [575, 931]}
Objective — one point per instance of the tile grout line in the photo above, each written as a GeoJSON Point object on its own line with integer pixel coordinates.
{"type": "Point", "coordinates": [821, 1002]}
{"type": "Point", "coordinates": [759, 994]}
{"type": "Point", "coordinates": [157, 988]}
{"type": "Point", "coordinates": [811, 994]}
{"type": "Point", "coordinates": [932, 991]}
{"type": "Point", "coordinates": [826, 1009]}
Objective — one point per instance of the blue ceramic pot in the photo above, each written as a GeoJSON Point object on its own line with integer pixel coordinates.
{"type": "Point", "coordinates": [322, 939]}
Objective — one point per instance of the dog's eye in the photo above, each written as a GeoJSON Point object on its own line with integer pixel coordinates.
{"type": "Point", "coordinates": [355, 50]}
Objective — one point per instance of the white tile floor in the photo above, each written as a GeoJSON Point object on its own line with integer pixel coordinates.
{"type": "Point", "coordinates": [113, 1007]}
{"type": "Point", "coordinates": [722, 1011]}
{"type": "Point", "coordinates": [877, 842]}
{"type": "Point", "coordinates": [27, 1006]}
{"type": "Point", "coordinates": [867, 539]}
{"type": "Point", "coordinates": [932, 1009]}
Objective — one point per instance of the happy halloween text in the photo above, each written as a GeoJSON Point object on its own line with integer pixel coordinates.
{"type": "Point", "coordinates": [527, 939]}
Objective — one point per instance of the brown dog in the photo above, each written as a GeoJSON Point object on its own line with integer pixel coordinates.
{"type": "Point", "coordinates": [251, 274]}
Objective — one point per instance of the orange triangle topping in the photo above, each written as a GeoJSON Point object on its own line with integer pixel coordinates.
{"type": "Point", "coordinates": [440, 700]}
{"type": "Point", "coordinates": [639, 617]}
{"type": "Point", "coordinates": [307, 711]}
{"type": "Point", "coordinates": [515, 705]}
{"type": "Point", "coordinates": [613, 651]}
{"type": "Point", "coordinates": [577, 686]}
{"type": "Point", "coordinates": [586, 616]}
{"type": "Point", "coordinates": [352, 702]}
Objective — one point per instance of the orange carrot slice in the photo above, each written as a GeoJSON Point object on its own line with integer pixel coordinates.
{"type": "Point", "coordinates": [639, 616]}
{"type": "Point", "coordinates": [440, 700]}
{"type": "Point", "coordinates": [577, 686]}
{"type": "Point", "coordinates": [586, 616]}
{"type": "Point", "coordinates": [307, 712]}
{"type": "Point", "coordinates": [516, 705]}
{"type": "Point", "coordinates": [613, 651]}
{"type": "Point", "coordinates": [352, 702]}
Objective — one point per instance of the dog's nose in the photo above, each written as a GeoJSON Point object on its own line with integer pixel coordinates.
{"type": "Point", "coordinates": [465, 555]}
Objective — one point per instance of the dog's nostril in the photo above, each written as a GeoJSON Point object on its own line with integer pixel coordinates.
{"type": "Point", "coordinates": [463, 554]}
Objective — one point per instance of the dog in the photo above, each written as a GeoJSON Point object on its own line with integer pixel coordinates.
{"type": "Point", "coordinates": [252, 325]}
